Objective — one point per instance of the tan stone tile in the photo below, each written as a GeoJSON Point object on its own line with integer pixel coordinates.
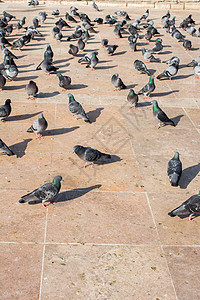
{"type": "Point", "coordinates": [20, 271]}
{"type": "Point", "coordinates": [194, 116]}
{"type": "Point", "coordinates": [106, 272]}
{"type": "Point", "coordinates": [183, 270]}
{"type": "Point", "coordinates": [20, 222]}
{"type": "Point", "coordinates": [101, 217]}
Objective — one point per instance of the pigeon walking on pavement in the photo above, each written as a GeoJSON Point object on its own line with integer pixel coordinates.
{"type": "Point", "coordinates": [148, 88]}
{"type": "Point", "coordinates": [76, 109]}
{"type": "Point", "coordinates": [31, 89]}
{"type": "Point", "coordinates": [132, 98]}
{"type": "Point", "coordinates": [46, 193]}
{"type": "Point", "coordinates": [160, 115]}
{"type": "Point", "coordinates": [174, 169]}
{"type": "Point", "coordinates": [38, 126]}
{"type": "Point", "coordinates": [117, 82]}
{"type": "Point", "coordinates": [64, 81]}
{"type": "Point", "coordinates": [5, 110]}
{"type": "Point", "coordinates": [141, 67]}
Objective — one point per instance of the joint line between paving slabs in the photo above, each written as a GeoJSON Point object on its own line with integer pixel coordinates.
{"type": "Point", "coordinates": [190, 120]}
{"type": "Point", "coordinates": [161, 247]}
{"type": "Point", "coordinates": [43, 255]}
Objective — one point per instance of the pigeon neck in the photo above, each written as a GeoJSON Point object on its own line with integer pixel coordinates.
{"type": "Point", "coordinates": [150, 80]}
{"type": "Point", "coordinates": [155, 107]}
{"type": "Point", "coordinates": [199, 194]}
{"type": "Point", "coordinates": [56, 183]}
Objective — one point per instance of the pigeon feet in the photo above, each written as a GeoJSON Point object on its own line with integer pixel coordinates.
{"type": "Point", "coordinates": [158, 126]}
{"type": "Point", "coordinates": [39, 136]}
{"type": "Point", "coordinates": [49, 202]}
{"type": "Point", "coordinates": [3, 121]}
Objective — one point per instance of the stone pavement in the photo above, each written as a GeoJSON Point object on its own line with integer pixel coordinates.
{"type": "Point", "coordinates": [108, 236]}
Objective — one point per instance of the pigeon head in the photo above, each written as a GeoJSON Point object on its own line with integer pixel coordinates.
{"type": "Point", "coordinates": [57, 178]}
{"type": "Point", "coordinates": [158, 40]}
{"type": "Point", "coordinates": [131, 92]}
{"type": "Point", "coordinates": [116, 75]}
{"type": "Point", "coordinates": [174, 178]}
{"type": "Point", "coordinates": [78, 149]}
{"type": "Point", "coordinates": [71, 97]}
{"type": "Point", "coordinates": [154, 102]}
{"type": "Point", "coordinates": [8, 101]}
{"type": "Point", "coordinates": [176, 155]}
{"type": "Point", "coordinates": [40, 116]}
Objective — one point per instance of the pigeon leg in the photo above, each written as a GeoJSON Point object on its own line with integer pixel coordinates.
{"type": "Point", "coordinates": [158, 126]}
{"type": "Point", "coordinates": [3, 121]}
{"type": "Point", "coordinates": [84, 166]}
{"type": "Point", "coordinates": [190, 217]}
{"type": "Point", "coordinates": [171, 78]}
{"type": "Point", "coordinates": [39, 136]}
{"type": "Point", "coordinates": [44, 205]}
{"type": "Point", "coordinates": [93, 69]}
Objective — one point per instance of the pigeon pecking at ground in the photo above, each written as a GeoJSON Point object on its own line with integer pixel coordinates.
{"type": "Point", "coordinates": [89, 154]}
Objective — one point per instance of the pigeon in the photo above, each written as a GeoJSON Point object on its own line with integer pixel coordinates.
{"type": "Point", "coordinates": [87, 57]}
{"type": "Point", "coordinates": [196, 69]}
{"type": "Point", "coordinates": [111, 49]}
{"type": "Point", "coordinates": [8, 29]}
{"type": "Point", "coordinates": [5, 149]}
{"type": "Point", "coordinates": [117, 32]}
{"type": "Point", "coordinates": [36, 22]}
{"type": "Point", "coordinates": [132, 98]}
{"type": "Point", "coordinates": [46, 193]}
{"type": "Point", "coordinates": [98, 20]}
{"type": "Point", "coordinates": [9, 70]}
{"type": "Point", "coordinates": [165, 18]}
{"type": "Point", "coordinates": [148, 88]}
{"type": "Point", "coordinates": [47, 67]}
{"type": "Point", "coordinates": [55, 30]}
{"type": "Point", "coordinates": [148, 56]}
{"type": "Point", "coordinates": [145, 15]}
{"type": "Point", "coordinates": [174, 170]}
{"type": "Point", "coordinates": [191, 64]}
{"type": "Point", "coordinates": [33, 3]}
{"type": "Point", "coordinates": [81, 44]}
{"type": "Point", "coordinates": [133, 44]}
{"type": "Point", "coordinates": [190, 207]}
{"type": "Point", "coordinates": [148, 35]}
{"type": "Point", "coordinates": [89, 154]}
{"type": "Point", "coordinates": [177, 35]}
{"type": "Point", "coordinates": [141, 67]}
{"type": "Point", "coordinates": [55, 12]}
{"type": "Point", "coordinates": [110, 20]}
{"type": "Point", "coordinates": [158, 47]}
{"type": "Point", "coordinates": [191, 30]}
{"type": "Point", "coordinates": [31, 89]}
{"type": "Point", "coordinates": [38, 126]}
{"type": "Point", "coordinates": [73, 50]}
{"type": "Point", "coordinates": [70, 18]}
{"type": "Point", "coordinates": [2, 82]}
{"type": "Point", "coordinates": [92, 62]}
{"type": "Point", "coordinates": [64, 81]}
{"type": "Point", "coordinates": [8, 16]}
{"type": "Point", "coordinates": [171, 71]}
{"type": "Point", "coordinates": [5, 110]}
{"type": "Point", "coordinates": [160, 116]}
{"type": "Point", "coordinates": [76, 109]}
{"type": "Point", "coordinates": [43, 15]}
{"type": "Point", "coordinates": [154, 30]}
{"type": "Point", "coordinates": [18, 44]}
{"type": "Point", "coordinates": [5, 51]}
{"type": "Point", "coordinates": [48, 54]}
{"type": "Point", "coordinates": [172, 60]}
{"type": "Point", "coordinates": [117, 82]}
{"type": "Point", "coordinates": [94, 5]}
{"type": "Point", "coordinates": [187, 44]}
{"type": "Point", "coordinates": [104, 42]}
{"type": "Point", "coordinates": [85, 36]}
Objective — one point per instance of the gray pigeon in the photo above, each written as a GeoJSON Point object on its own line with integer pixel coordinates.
{"type": "Point", "coordinates": [64, 81]}
{"type": "Point", "coordinates": [111, 49]}
{"type": "Point", "coordinates": [89, 154]}
{"type": "Point", "coordinates": [148, 56]}
{"type": "Point", "coordinates": [92, 62]}
{"type": "Point", "coordinates": [148, 88]}
{"type": "Point", "coordinates": [170, 72]}
{"type": "Point", "coordinates": [2, 82]}
{"type": "Point", "coordinates": [104, 42]}
{"type": "Point", "coordinates": [141, 67]}
{"type": "Point", "coordinates": [5, 110]}
{"type": "Point", "coordinates": [46, 193]}
{"type": "Point", "coordinates": [191, 64]}
{"type": "Point", "coordinates": [31, 89]}
{"type": "Point", "coordinates": [5, 149]}
{"type": "Point", "coordinates": [172, 60]}
{"type": "Point", "coordinates": [76, 109]}
{"type": "Point", "coordinates": [73, 50]}
{"type": "Point", "coordinates": [38, 126]}
{"type": "Point", "coordinates": [47, 66]}
{"type": "Point", "coordinates": [190, 207]}
{"type": "Point", "coordinates": [132, 98]}
{"type": "Point", "coordinates": [160, 115]}
{"type": "Point", "coordinates": [117, 82]}
{"type": "Point", "coordinates": [158, 47]}
{"type": "Point", "coordinates": [187, 44]}
{"type": "Point", "coordinates": [94, 5]}
{"type": "Point", "coordinates": [174, 170]}
{"type": "Point", "coordinates": [87, 57]}
{"type": "Point", "coordinates": [81, 44]}
{"type": "Point", "coordinates": [196, 69]}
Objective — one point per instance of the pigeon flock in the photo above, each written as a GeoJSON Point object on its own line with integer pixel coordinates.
{"type": "Point", "coordinates": [77, 28]}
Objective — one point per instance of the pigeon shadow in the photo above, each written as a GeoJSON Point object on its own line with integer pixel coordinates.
{"type": "Point", "coordinates": [131, 86]}
{"type": "Point", "coordinates": [188, 175]}
{"type": "Point", "coordinates": [11, 88]}
{"type": "Point", "coordinates": [25, 66]}
{"type": "Point", "coordinates": [143, 104]}
{"type": "Point", "coordinates": [61, 61]}
{"type": "Point", "coordinates": [164, 93]}
{"type": "Point", "coordinates": [78, 86]}
{"type": "Point", "coordinates": [69, 195]}
{"type": "Point", "coordinates": [22, 117]}
{"type": "Point", "coordinates": [105, 67]}
{"type": "Point", "coordinates": [164, 52]}
{"type": "Point", "coordinates": [142, 44]}
{"type": "Point", "coordinates": [194, 49]}
{"type": "Point", "coordinates": [31, 49]}
{"type": "Point", "coordinates": [113, 159]}
{"type": "Point", "coordinates": [105, 61]}
{"type": "Point", "coordinates": [26, 78]}
{"type": "Point", "coordinates": [47, 95]}
{"type": "Point", "coordinates": [94, 114]}
{"type": "Point", "coordinates": [19, 148]}
{"type": "Point", "coordinates": [119, 53]}
{"type": "Point", "coordinates": [176, 119]}
{"type": "Point", "coordinates": [183, 76]}
{"type": "Point", "coordinates": [59, 131]}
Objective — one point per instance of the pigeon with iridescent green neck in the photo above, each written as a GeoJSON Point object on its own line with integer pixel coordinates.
{"type": "Point", "coordinates": [148, 88]}
{"type": "Point", "coordinates": [160, 115]}
{"type": "Point", "coordinates": [46, 193]}
{"type": "Point", "coordinates": [174, 170]}
{"type": "Point", "coordinates": [148, 56]}
{"type": "Point", "coordinates": [93, 62]}
{"type": "Point", "coordinates": [190, 207]}
{"type": "Point", "coordinates": [64, 81]}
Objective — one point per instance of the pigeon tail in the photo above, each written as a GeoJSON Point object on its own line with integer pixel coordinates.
{"type": "Point", "coordinates": [31, 129]}
{"type": "Point", "coordinates": [161, 75]}
{"type": "Point", "coordinates": [86, 119]}
{"type": "Point", "coordinates": [171, 214]}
